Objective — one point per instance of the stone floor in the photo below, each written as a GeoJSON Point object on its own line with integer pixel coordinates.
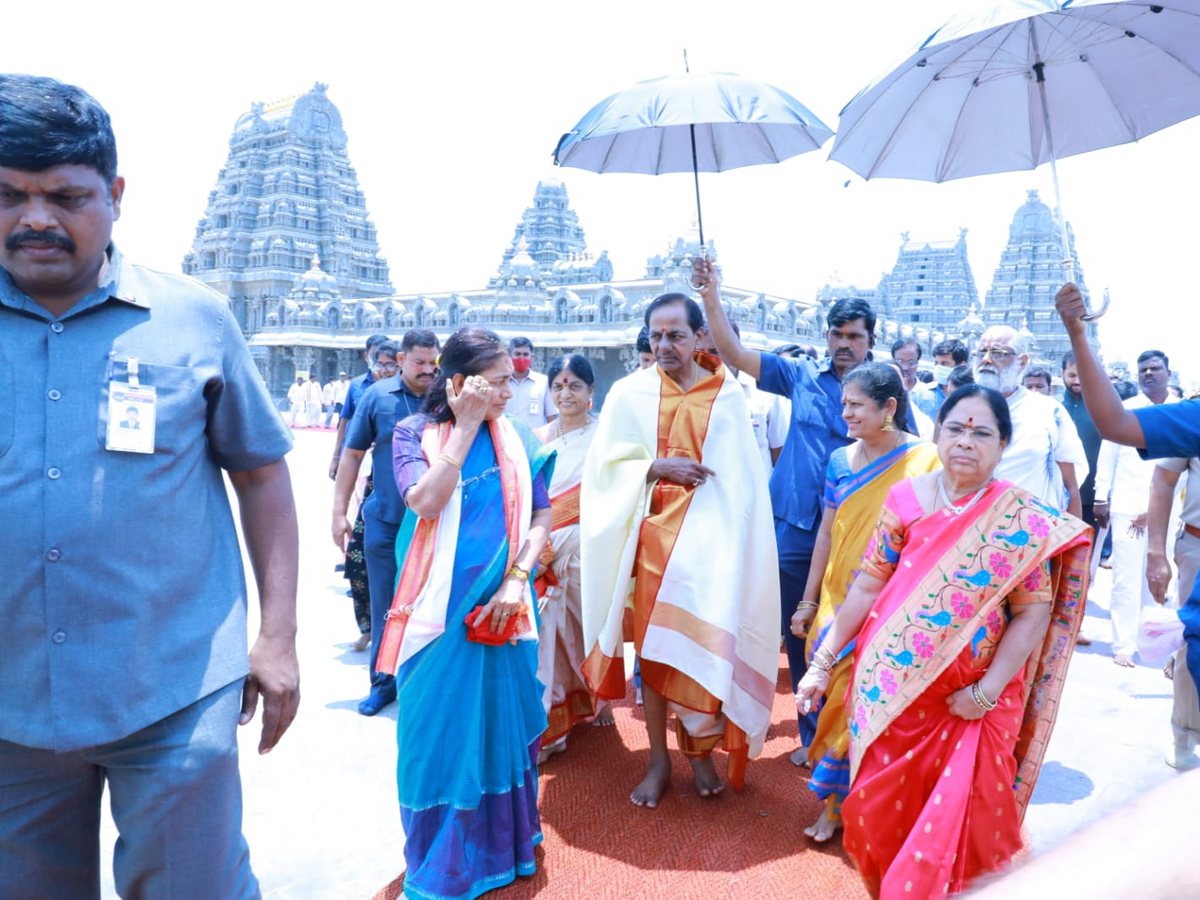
{"type": "Point", "coordinates": [320, 810]}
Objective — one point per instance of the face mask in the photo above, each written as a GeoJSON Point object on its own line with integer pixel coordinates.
{"type": "Point", "coordinates": [522, 364]}
{"type": "Point", "coordinates": [941, 374]}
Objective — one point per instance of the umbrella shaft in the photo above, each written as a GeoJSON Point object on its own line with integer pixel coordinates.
{"type": "Point", "coordinates": [696, 175]}
{"type": "Point", "coordinates": [1039, 69]}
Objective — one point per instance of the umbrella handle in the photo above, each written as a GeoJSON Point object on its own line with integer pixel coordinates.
{"type": "Point", "coordinates": [703, 255]}
{"type": "Point", "coordinates": [1093, 316]}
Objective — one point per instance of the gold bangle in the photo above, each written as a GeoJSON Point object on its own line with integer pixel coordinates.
{"type": "Point", "coordinates": [981, 699]}
{"type": "Point", "coordinates": [807, 604]}
{"type": "Point", "coordinates": [450, 460]}
{"type": "Point", "coordinates": [518, 573]}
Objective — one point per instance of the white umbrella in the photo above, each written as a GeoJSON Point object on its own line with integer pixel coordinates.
{"type": "Point", "coordinates": [691, 123]}
{"type": "Point", "coordinates": [1029, 82]}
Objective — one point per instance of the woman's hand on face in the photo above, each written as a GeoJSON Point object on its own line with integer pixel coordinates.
{"type": "Point", "coordinates": [802, 620]}
{"type": "Point", "coordinates": [504, 604]}
{"type": "Point", "coordinates": [812, 687]}
{"type": "Point", "coordinates": [963, 705]}
{"type": "Point", "coordinates": [471, 403]}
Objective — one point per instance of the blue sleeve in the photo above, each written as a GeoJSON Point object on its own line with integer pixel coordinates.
{"type": "Point", "coordinates": [353, 393]}
{"type": "Point", "coordinates": [838, 461]}
{"type": "Point", "coordinates": [541, 495]}
{"type": "Point", "coordinates": [1170, 429]}
{"type": "Point", "coordinates": [244, 429]}
{"type": "Point", "coordinates": [784, 376]}
{"type": "Point", "coordinates": [360, 430]}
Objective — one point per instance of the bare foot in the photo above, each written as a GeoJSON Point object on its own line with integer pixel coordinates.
{"type": "Point", "coordinates": [824, 828]}
{"type": "Point", "coordinates": [604, 717]}
{"type": "Point", "coordinates": [650, 791]}
{"type": "Point", "coordinates": [1123, 659]}
{"type": "Point", "coordinates": [559, 746]}
{"type": "Point", "coordinates": [708, 782]}
{"type": "Point", "coordinates": [1169, 669]}
{"type": "Point", "coordinates": [799, 757]}
{"type": "Point", "coordinates": [363, 642]}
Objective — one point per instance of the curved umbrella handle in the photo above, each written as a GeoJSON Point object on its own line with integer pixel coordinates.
{"type": "Point", "coordinates": [1069, 275]}
{"type": "Point", "coordinates": [1093, 316]}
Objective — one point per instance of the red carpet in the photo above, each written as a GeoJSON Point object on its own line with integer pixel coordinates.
{"type": "Point", "coordinates": [748, 844]}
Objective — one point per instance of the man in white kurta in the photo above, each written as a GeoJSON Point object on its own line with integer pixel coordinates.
{"type": "Point", "coordinates": [1045, 455]}
{"type": "Point", "coordinates": [1123, 499]}
{"type": "Point", "coordinates": [676, 528]}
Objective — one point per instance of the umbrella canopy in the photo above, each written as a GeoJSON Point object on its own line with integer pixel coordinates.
{"type": "Point", "coordinates": [648, 128]}
{"type": "Point", "coordinates": [1027, 83]}
{"type": "Point", "coordinates": [691, 123]}
{"type": "Point", "coordinates": [1030, 81]}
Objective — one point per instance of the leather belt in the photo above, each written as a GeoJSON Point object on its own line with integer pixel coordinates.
{"type": "Point", "coordinates": [1192, 530]}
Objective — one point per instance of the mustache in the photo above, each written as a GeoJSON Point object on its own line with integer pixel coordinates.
{"type": "Point", "coordinates": [29, 236]}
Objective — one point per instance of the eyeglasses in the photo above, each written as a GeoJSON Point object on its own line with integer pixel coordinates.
{"type": "Point", "coordinates": [997, 353]}
{"type": "Point", "coordinates": [386, 367]}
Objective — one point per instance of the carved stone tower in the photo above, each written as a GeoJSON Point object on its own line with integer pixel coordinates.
{"type": "Point", "coordinates": [286, 194]}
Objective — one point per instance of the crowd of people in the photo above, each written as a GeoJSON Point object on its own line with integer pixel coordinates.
{"type": "Point", "coordinates": [927, 544]}
{"type": "Point", "coordinates": [920, 551]}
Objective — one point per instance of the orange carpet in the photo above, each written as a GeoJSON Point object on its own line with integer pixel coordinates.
{"type": "Point", "coordinates": [740, 844]}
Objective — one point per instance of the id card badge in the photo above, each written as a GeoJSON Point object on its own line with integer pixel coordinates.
{"type": "Point", "coordinates": [132, 410]}
{"type": "Point", "coordinates": [535, 407]}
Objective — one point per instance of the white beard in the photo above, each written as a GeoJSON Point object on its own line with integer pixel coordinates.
{"type": "Point", "coordinates": [1005, 381]}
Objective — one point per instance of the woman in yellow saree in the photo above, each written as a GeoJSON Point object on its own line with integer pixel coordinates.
{"type": "Point", "coordinates": [856, 483]}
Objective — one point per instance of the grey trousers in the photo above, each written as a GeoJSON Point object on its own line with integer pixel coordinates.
{"type": "Point", "coordinates": [1185, 714]}
{"type": "Point", "coordinates": [176, 799]}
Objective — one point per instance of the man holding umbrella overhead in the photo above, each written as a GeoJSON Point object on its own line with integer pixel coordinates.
{"type": "Point", "coordinates": [1166, 430]}
{"type": "Point", "coordinates": [816, 430]}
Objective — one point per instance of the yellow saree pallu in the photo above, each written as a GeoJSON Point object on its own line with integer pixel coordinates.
{"type": "Point", "coordinates": [697, 565]}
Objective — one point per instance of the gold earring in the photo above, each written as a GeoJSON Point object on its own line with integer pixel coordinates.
{"type": "Point", "coordinates": [888, 424]}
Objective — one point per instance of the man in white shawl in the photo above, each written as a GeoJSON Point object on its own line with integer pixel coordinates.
{"type": "Point", "coordinates": [678, 548]}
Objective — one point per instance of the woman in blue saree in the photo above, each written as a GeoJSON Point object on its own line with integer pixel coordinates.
{"type": "Point", "coordinates": [470, 712]}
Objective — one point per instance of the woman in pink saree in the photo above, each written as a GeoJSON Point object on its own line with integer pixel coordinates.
{"type": "Point", "coordinates": [964, 617]}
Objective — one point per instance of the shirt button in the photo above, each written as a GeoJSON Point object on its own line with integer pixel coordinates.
{"type": "Point", "coordinates": [53, 554]}
{"type": "Point", "coordinates": [56, 327]}
{"type": "Point", "coordinates": [53, 472]}
{"type": "Point", "coordinates": [54, 394]}
{"type": "Point", "coordinates": [59, 636]}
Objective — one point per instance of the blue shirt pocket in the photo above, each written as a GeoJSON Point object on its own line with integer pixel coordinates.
{"type": "Point", "coordinates": [180, 405]}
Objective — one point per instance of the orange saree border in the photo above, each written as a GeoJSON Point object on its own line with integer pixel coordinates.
{"type": "Point", "coordinates": [575, 707]}
{"type": "Point", "coordinates": [417, 565]}
{"type": "Point", "coordinates": [418, 562]}
{"type": "Point", "coordinates": [565, 508]}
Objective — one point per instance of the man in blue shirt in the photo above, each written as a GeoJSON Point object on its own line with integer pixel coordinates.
{"type": "Point", "coordinates": [817, 429]}
{"type": "Point", "coordinates": [386, 402]}
{"type": "Point", "coordinates": [354, 392]}
{"type": "Point", "coordinates": [123, 646]}
{"type": "Point", "coordinates": [1159, 431]}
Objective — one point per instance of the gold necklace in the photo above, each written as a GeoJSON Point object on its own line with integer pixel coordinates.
{"type": "Point", "coordinates": [944, 496]}
{"type": "Point", "coordinates": [559, 433]}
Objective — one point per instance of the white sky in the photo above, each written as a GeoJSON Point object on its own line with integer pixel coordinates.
{"type": "Point", "coordinates": [454, 109]}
